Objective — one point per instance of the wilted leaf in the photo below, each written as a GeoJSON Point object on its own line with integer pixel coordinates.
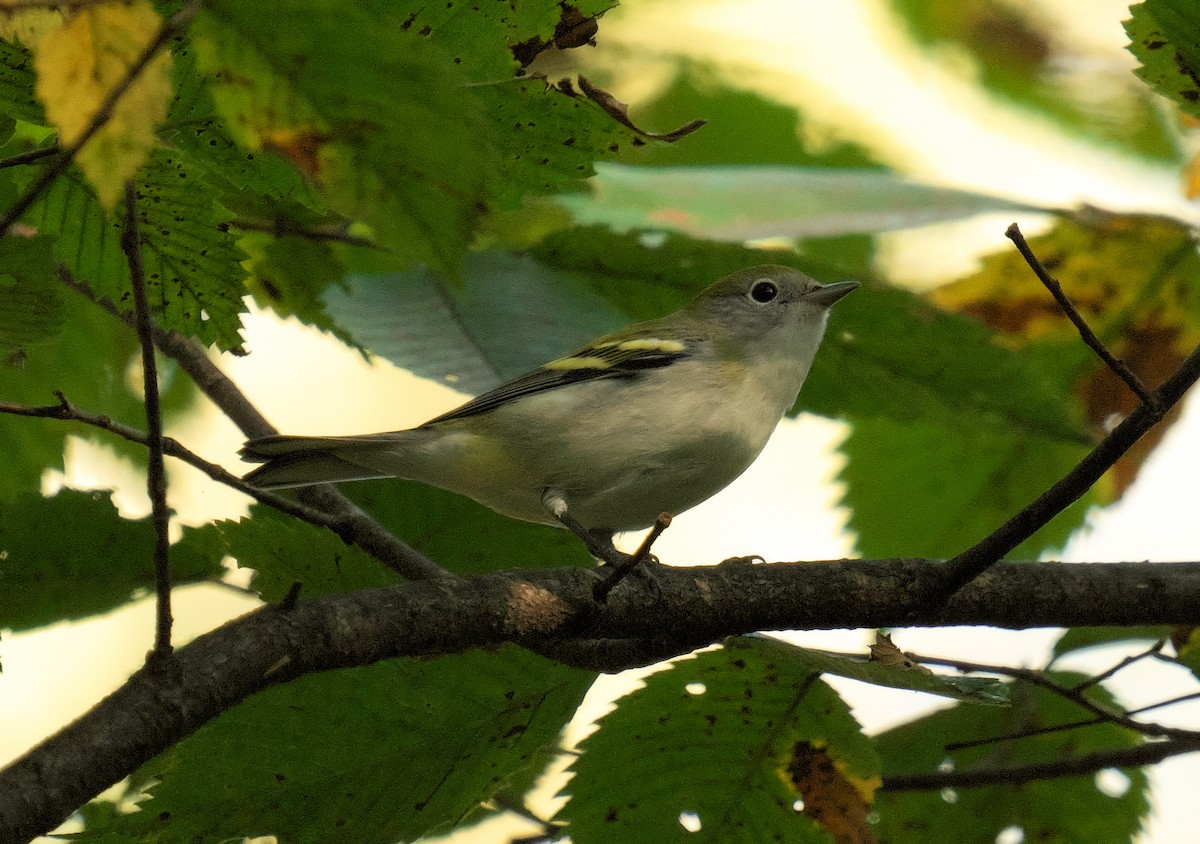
{"type": "Point", "coordinates": [897, 671]}
{"type": "Point", "coordinates": [79, 64]}
{"type": "Point", "coordinates": [1132, 278]}
{"type": "Point", "coordinates": [829, 798]}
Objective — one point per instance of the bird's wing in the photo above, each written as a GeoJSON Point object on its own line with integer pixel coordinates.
{"type": "Point", "coordinates": [616, 356]}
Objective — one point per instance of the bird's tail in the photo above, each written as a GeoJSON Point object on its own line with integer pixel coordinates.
{"type": "Point", "coordinates": [302, 461]}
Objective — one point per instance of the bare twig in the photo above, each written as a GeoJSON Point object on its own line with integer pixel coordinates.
{"type": "Point", "coordinates": [1076, 766]}
{"type": "Point", "coordinates": [977, 559]}
{"type": "Point", "coordinates": [1089, 337]}
{"type": "Point", "coordinates": [1124, 663]}
{"type": "Point", "coordinates": [27, 157]}
{"type": "Point", "coordinates": [353, 525]}
{"type": "Point", "coordinates": [1076, 696]}
{"type": "Point", "coordinates": [156, 474]}
{"type": "Point", "coordinates": [619, 572]}
{"type": "Point", "coordinates": [1023, 734]}
{"type": "Point", "coordinates": [1164, 703]}
{"type": "Point", "coordinates": [284, 228]}
{"type": "Point", "coordinates": [170, 28]}
{"type": "Point", "coordinates": [68, 412]}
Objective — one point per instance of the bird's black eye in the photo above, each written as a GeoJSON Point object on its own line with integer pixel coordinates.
{"type": "Point", "coordinates": [763, 292]}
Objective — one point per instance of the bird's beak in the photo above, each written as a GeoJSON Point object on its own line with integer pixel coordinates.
{"type": "Point", "coordinates": [827, 294]}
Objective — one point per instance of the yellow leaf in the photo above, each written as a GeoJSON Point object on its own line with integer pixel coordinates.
{"type": "Point", "coordinates": [79, 64]}
{"type": "Point", "coordinates": [29, 25]}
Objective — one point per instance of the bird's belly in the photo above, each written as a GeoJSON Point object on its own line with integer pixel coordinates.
{"type": "Point", "coordinates": [618, 470]}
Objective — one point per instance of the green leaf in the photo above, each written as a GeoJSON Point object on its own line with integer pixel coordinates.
{"type": "Point", "coordinates": [966, 688]}
{"type": "Point", "coordinates": [454, 531]}
{"type": "Point", "coordinates": [459, 534]}
{"type": "Point", "coordinates": [193, 267]}
{"type": "Point", "coordinates": [193, 270]}
{"type": "Point", "coordinates": [258, 183]}
{"type": "Point", "coordinates": [1165, 37]}
{"type": "Point", "coordinates": [507, 315]}
{"type": "Point", "coordinates": [1066, 809]}
{"type": "Point", "coordinates": [548, 141]}
{"type": "Point", "coordinates": [31, 306]}
{"type": "Point", "coordinates": [782, 135]}
{"type": "Point", "coordinates": [1082, 638]}
{"type": "Point", "coordinates": [740, 203]}
{"type": "Point", "coordinates": [17, 99]}
{"type": "Point", "coordinates": [389, 752]}
{"type": "Point", "coordinates": [480, 37]}
{"type": "Point", "coordinates": [290, 275]}
{"type": "Point", "coordinates": [88, 362]}
{"type": "Point", "coordinates": [72, 556]}
{"type": "Point", "coordinates": [283, 551]}
{"type": "Point", "coordinates": [377, 119]}
{"type": "Point", "coordinates": [889, 354]}
{"type": "Point", "coordinates": [932, 490]}
{"type": "Point", "coordinates": [717, 736]}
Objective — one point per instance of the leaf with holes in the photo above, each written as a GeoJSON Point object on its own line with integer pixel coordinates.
{"type": "Point", "coordinates": [80, 64]}
{"type": "Point", "coordinates": [734, 742]}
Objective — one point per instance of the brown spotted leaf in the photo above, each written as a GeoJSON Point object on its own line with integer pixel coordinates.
{"type": "Point", "coordinates": [1134, 279]}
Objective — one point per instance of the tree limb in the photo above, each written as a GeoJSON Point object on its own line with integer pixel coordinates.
{"type": "Point", "coordinates": [541, 609]}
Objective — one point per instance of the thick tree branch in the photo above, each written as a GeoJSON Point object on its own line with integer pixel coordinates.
{"type": "Point", "coordinates": [542, 609]}
{"type": "Point", "coordinates": [1083, 765]}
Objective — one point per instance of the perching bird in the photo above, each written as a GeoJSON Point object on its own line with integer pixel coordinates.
{"type": "Point", "coordinates": [654, 418]}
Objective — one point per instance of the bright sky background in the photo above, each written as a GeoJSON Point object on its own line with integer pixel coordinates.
{"type": "Point", "coordinates": [940, 128]}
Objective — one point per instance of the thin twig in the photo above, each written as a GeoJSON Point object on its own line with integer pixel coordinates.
{"type": "Point", "coordinates": [156, 474]}
{"type": "Point", "coordinates": [169, 29]}
{"type": "Point", "coordinates": [31, 155]}
{"type": "Point", "coordinates": [1023, 734]}
{"type": "Point", "coordinates": [973, 562]}
{"type": "Point", "coordinates": [354, 526]}
{"type": "Point", "coordinates": [284, 228]}
{"type": "Point", "coordinates": [1037, 678]}
{"type": "Point", "coordinates": [1164, 703]}
{"type": "Point", "coordinates": [1124, 663]}
{"type": "Point", "coordinates": [67, 412]}
{"type": "Point", "coordinates": [619, 572]}
{"type": "Point", "coordinates": [1089, 337]}
{"type": "Point", "coordinates": [1076, 766]}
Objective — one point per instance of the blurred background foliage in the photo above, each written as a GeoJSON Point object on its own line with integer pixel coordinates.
{"type": "Point", "coordinates": [434, 186]}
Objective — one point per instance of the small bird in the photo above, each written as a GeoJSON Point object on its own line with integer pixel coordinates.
{"type": "Point", "coordinates": [651, 419]}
